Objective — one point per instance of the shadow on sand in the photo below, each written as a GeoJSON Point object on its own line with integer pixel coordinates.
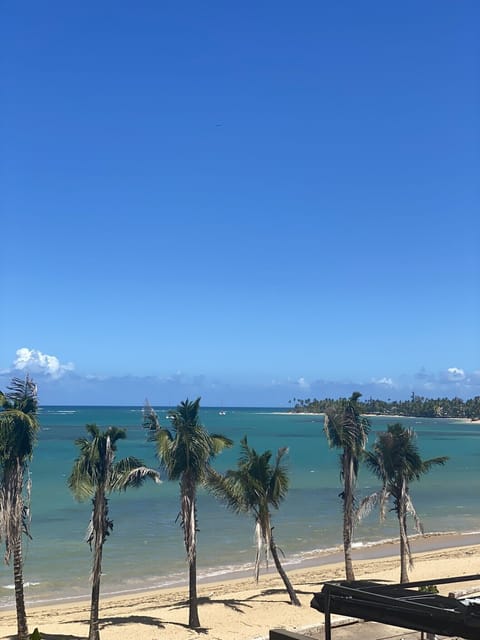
{"type": "Point", "coordinates": [236, 604]}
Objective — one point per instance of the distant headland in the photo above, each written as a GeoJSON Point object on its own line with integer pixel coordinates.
{"type": "Point", "coordinates": [415, 407]}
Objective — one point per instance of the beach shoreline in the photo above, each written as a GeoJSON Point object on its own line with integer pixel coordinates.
{"type": "Point", "coordinates": [235, 607]}
{"type": "Point", "coordinates": [314, 558]}
{"type": "Point", "coordinates": [381, 415]}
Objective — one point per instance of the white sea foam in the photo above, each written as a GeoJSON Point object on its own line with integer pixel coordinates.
{"type": "Point", "coordinates": [25, 584]}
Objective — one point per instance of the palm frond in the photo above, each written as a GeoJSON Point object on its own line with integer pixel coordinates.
{"type": "Point", "coordinates": [4, 404]}
{"type": "Point", "coordinates": [80, 481]}
{"type": "Point", "coordinates": [411, 510]}
{"type": "Point", "coordinates": [279, 480]}
{"type": "Point", "coordinates": [428, 464]}
{"type": "Point", "coordinates": [130, 472]}
{"type": "Point", "coordinates": [229, 489]}
{"type": "Point", "coordinates": [18, 432]}
{"type": "Point", "coordinates": [333, 430]}
{"type": "Point", "coordinates": [95, 466]}
{"type": "Point", "coordinates": [151, 421]}
{"type": "Point", "coordinates": [18, 421]}
{"type": "Point", "coordinates": [219, 443]}
{"type": "Point", "coordinates": [188, 447]}
{"type": "Point", "coordinates": [367, 505]}
{"type": "Point", "coordinates": [22, 395]}
{"type": "Point", "coordinates": [345, 428]}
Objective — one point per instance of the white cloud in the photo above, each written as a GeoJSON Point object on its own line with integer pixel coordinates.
{"type": "Point", "coordinates": [35, 361]}
{"type": "Point", "coordinates": [303, 383]}
{"type": "Point", "coordinates": [454, 373]}
{"type": "Point", "coordinates": [386, 381]}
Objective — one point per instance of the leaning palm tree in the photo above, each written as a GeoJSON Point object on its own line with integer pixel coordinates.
{"type": "Point", "coordinates": [396, 461]}
{"type": "Point", "coordinates": [150, 418]}
{"type": "Point", "coordinates": [347, 430]}
{"type": "Point", "coordinates": [185, 453]}
{"type": "Point", "coordinates": [252, 488]}
{"type": "Point", "coordinates": [18, 430]}
{"type": "Point", "coordinates": [95, 474]}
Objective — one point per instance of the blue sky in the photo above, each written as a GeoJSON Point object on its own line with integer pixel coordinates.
{"type": "Point", "coordinates": [245, 201]}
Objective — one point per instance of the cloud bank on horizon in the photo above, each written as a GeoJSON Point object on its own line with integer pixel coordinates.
{"type": "Point", "coordinates": [60, 383]}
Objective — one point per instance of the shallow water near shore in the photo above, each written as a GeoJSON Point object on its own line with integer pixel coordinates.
{"type": "Point", "coordinates": [146, 550]}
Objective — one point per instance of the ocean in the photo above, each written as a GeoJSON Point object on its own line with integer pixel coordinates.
{"type": "Point", "coordinates": [145, 549]}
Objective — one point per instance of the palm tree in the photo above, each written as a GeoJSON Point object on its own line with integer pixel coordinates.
{"type": "Point", "coordinates": [347, 430]}
{"type": "Point", "coordinates": [253, 488]}
{"type": "Point", "coordinates": [185, 453]}
{"type": "Point", "coordinates": [95, 474]}
{"type": "Point", "coordinates": [150, 418]}
{"type": "Point", "coordinates": [396, 461]}
{"type": "Point", "coordinates": [18, 429]}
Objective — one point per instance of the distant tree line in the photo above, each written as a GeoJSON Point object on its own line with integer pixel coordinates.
{"type": "Point", "coordinates": [416, 406]}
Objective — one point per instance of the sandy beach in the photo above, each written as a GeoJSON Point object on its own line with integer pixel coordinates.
{"type": "Point", "coordinates": [239, 609]}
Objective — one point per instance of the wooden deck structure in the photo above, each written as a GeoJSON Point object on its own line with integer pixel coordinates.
{"type": "Point", "coordinates": [402, 605]}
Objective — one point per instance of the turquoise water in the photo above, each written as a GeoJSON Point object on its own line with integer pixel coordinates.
{"type": "Point", "coordinates": [146, 547]}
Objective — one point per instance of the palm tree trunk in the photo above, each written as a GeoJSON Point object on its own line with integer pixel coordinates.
{"type": "Point", "coordinates": [98, 517]}
{"type": "Point", "coordinates": [404, 547]}
{"type": "Point", "coordinates": [94, 633]}
{"type": "Point", "coordinates": [193, 619]}
{"type": "Point", "coordinates": [347, 547]}
{"type": "Point", "coordinates": [288, 585]}
{"type": "Point", "coordinates": [22, 627]}
{"type": "Point", "coordinates": [403, 550]}
{"type": "Point", "coordinates": [14, 507]}
{"type": "Point", "coordinates": [189, 521]}
{"type": "Point", "coordinates": [348, 517]}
